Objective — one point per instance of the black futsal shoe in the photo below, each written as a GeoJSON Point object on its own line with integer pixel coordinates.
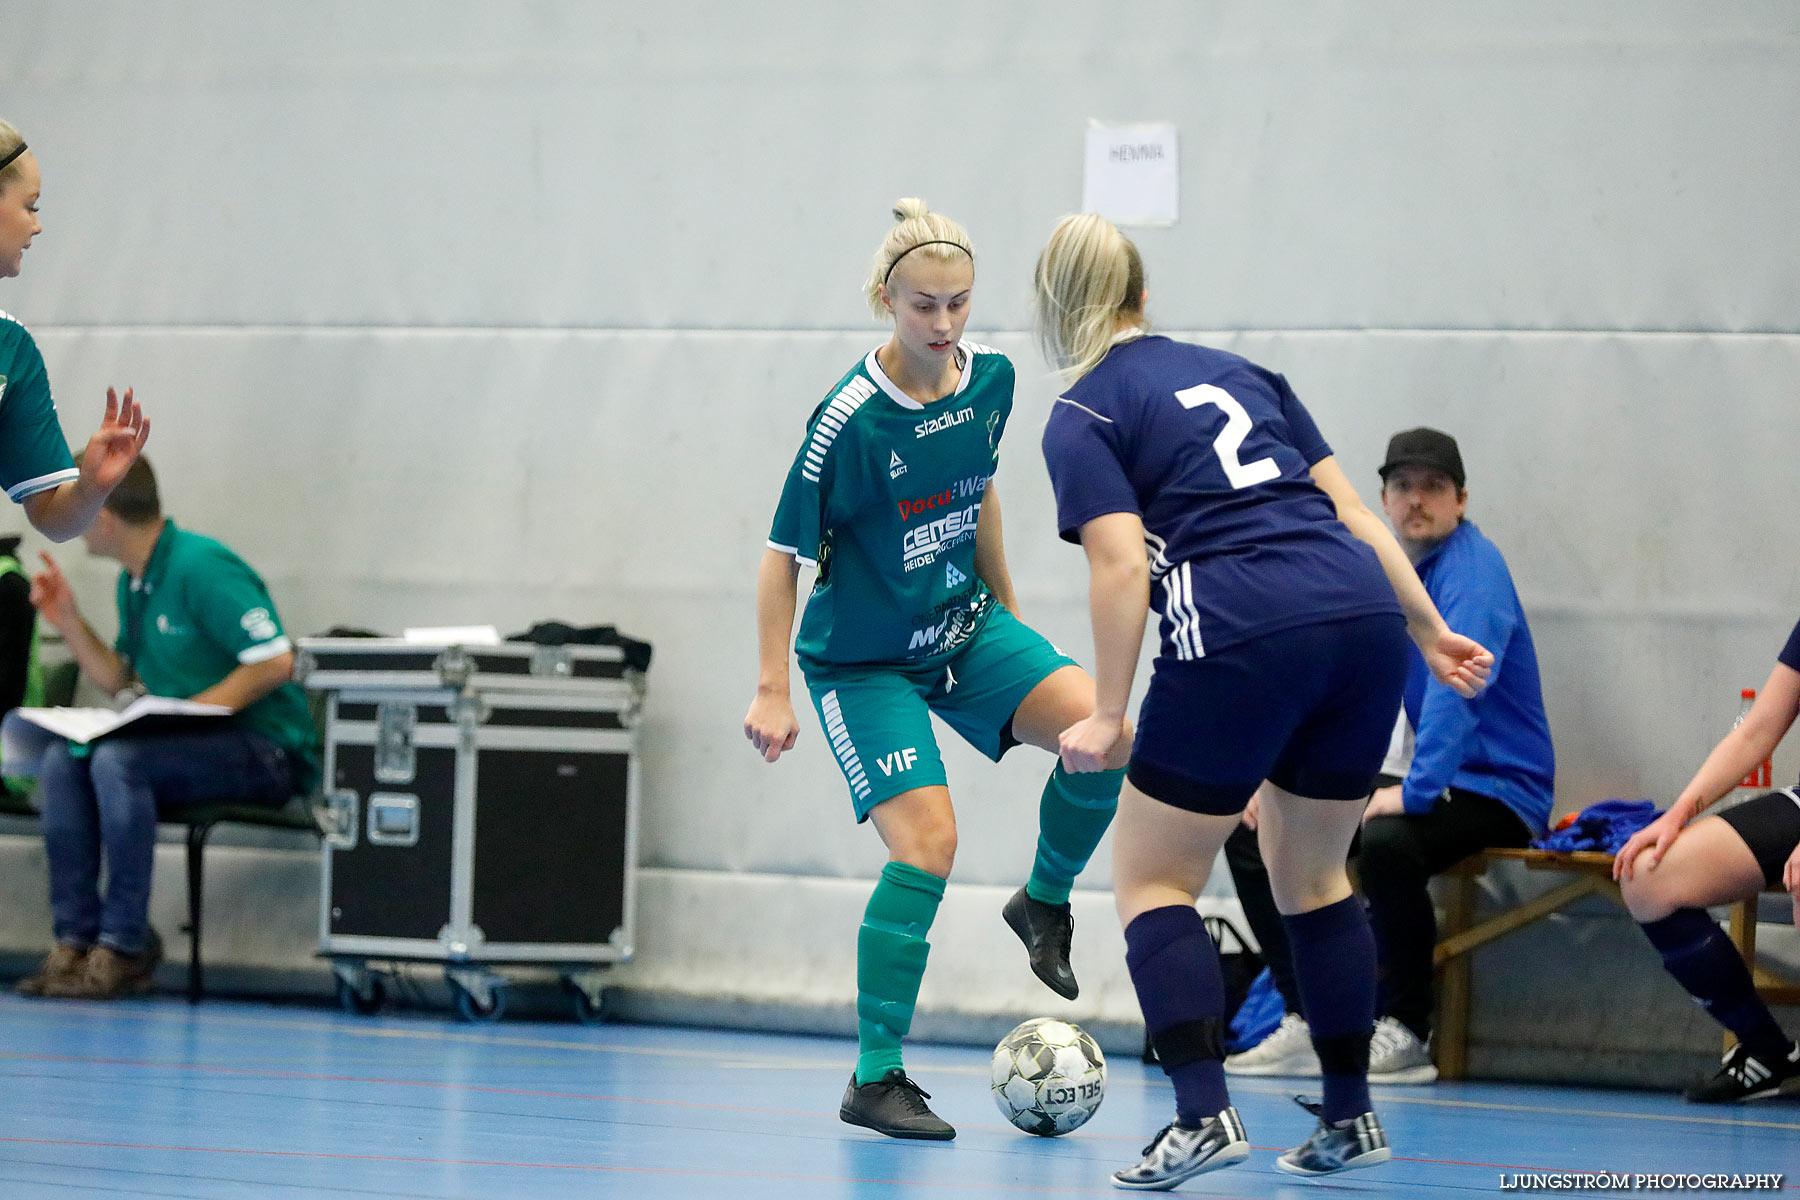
{"type": "Point", "coordinates": [893, 1105]}
{"type": "Point", "coordinates": [1046, 930]}
{"type": "Point", "coordinates": [1743, 1076]}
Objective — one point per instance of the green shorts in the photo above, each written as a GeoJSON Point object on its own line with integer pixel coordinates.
{"type": "Point", "coordinates": [877, 716]}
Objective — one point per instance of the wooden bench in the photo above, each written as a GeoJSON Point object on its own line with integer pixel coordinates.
{"type": "Point", "coordinates": [1592, 875]}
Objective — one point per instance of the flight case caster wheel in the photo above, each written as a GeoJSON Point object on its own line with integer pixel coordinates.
{"type": "Point", "coordinates": [479, 999]}
{"type": "Point", "coordinates": [360, 990]}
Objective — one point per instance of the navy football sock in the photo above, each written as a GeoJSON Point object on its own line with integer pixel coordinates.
{"type": "Point", "coordinates": [1334, 964]}
{"type": "Point", "coordinates": [1175, 969]}
{"type": "Point", "coordinates": [1703, 960]}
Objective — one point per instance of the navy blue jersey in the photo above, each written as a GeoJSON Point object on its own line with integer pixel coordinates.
{"type": "Point", "coordinates": [1214, 454]}
{"type": "Point", "coordinates": [1790, 653]}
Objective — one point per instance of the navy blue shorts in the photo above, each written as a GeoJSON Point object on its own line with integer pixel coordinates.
{"type": "Point", "coordinates": [1310, 709]}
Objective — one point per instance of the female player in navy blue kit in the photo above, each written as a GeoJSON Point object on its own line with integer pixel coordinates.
{"type": "Point", "coordinates": [1283, 658]}
{"type": "Point", "coordinates": [1675, 868]}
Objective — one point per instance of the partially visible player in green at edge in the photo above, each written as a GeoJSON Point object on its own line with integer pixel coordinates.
{"type": "Point", "coordinates": [36, 468]}
{"type": "Point", "coordinates": [891, 498]}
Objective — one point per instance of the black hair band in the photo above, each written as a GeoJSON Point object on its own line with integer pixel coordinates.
{"type": "Point", "coordinates": [909, 250]}
{"type": "Point", "coordinates": [8, 160]}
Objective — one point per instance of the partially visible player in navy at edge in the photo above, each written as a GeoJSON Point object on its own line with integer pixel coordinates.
{"type": "Point", "coordinates": [1683, 863]}
{"type": "Point", "coordinates": [1283, 656]}
{"type": "Point", "coordinates": [891, 497]}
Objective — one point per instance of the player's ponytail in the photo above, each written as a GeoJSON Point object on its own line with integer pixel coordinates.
{"type": "Point", "coordinates": [1088, 276]}
{"type": "Point", "coordinates": [918, 232]}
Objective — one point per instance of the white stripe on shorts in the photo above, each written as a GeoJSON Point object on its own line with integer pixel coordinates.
{"type": "Point", "coordinates": [841, 746]}
{"type": "Point", "coordinates": [1178, 585]}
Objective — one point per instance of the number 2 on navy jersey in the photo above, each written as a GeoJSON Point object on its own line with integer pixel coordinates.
{"type": "Point", "coordinates": [1231, 438]}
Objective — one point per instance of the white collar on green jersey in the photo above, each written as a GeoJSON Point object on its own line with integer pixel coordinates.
{"type": "Point", "coordinates": [901, 398]}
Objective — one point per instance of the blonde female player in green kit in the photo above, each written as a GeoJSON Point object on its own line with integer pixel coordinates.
{"type": "Point", "coordinates": [891, 498]}
{"type": "Point", "coordinates": [36, 469]}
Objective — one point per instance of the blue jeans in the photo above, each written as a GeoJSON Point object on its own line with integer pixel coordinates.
{"type": "Point", "coordinates": [101, 802]}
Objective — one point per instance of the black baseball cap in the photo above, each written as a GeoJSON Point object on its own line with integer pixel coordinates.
{"type": "Point", "coordinates": [1425, 448]}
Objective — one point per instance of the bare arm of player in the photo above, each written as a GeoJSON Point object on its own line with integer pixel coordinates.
{"type": "Point", "coordinates": [770, 724]}
{"type": "Point", "coordinates": [1118, 601]}
{"type": "Point", "coordinates": [69, 508]}
{"type": "Point", "coordinates": [1458, 662]}
{"type": "Point", "coordinates": [990, 552]}
{"type": "Point", "coordinates": [1753, 740]}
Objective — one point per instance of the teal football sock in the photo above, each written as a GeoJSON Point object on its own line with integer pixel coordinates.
{"type": "Point", "coordinates": [1072, 817]}
{"type": "Point", "coordinates": [890, 961]}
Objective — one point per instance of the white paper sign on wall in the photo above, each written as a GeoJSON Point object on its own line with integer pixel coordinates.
{"type": "Point", "coordinates": [1132, 175]}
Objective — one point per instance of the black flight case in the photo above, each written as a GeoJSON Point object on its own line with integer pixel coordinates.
{"type": "Point", "coordinates": [480, 805]}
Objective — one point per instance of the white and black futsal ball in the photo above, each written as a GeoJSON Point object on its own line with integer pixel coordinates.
{"type": "Point", "coordinates": [1049, 1077]}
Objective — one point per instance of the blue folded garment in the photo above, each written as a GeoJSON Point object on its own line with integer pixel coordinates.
{"type": "Point", "coordinates": [1605, 826]}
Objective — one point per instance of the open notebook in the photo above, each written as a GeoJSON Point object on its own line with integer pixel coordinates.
{"type": "Point", "coordinates": [86, 724]}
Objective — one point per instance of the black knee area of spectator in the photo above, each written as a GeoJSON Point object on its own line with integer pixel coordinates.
{"type": "Point", "coordinates": [1390, 849]}
{"type": "Point", "coordinates": [1190, 1041]}
{"type": "Point", "coordinates": [1346, 1054]}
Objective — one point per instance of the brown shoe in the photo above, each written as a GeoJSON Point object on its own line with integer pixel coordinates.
{"type": "Point", "coordinates": [108, 975]}
{"type": "Point", "coordinates": [64, 963]}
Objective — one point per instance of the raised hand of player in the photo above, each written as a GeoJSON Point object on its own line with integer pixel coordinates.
{"type": "Point", "coordinates": [52, 596]}
{"type": "Point", "coordinates": [1086, 745]}
{"type": "Point", "coordinates": [771, 725]}
{"type": "Point", "coordinates": [1652, 842]}
{"type": "Point", "coordinates": [1459, 663]}
{"type": "Point", "coordinates": [115, 445]}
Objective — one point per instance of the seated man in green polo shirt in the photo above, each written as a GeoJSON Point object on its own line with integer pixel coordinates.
{"type": "Point", "coordinates": [194, 621]}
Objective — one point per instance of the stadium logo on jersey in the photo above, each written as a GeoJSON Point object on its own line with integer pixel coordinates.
{"type": "Point", "coordinates": [963, 489]}
{"type": "Point", "coordinates": [920, 545]}
{"type": "Point", "coordinates": [896, 468]}
{"type": "Point", "coordinates": [947, 421]}
{"type": "Point", "coordinates": [953, 577]}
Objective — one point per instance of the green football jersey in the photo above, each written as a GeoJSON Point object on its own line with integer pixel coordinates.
{"type": "Point", "coordinates": [33, 455]}
{"type": "Point", "coordinates": [883, 499]}
{"type": "Point", "coordinates": [198, 613]}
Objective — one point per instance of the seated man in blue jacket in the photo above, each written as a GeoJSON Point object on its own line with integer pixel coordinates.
{"type": "Point", "coordinates": [1482, 770]}
{"type": "Point", "coordinates": [1480, 775]}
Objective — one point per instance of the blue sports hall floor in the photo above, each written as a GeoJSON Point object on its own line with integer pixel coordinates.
{"type": "Point", "coordinates": [155, 1098]}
